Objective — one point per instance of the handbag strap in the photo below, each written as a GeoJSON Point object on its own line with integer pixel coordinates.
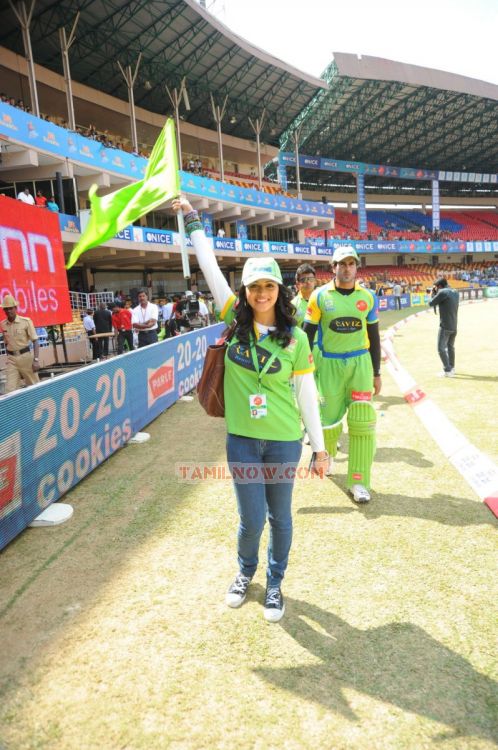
{"type": "Point", "coordinates": [229, 332]}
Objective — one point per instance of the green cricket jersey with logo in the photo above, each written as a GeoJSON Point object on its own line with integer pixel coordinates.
{"type": "Point", "coordinates": [342, 318]}
{"type": "Point", "coordinates": [300, 305]}
{"type": "Point", "coordinates": [283, 420]}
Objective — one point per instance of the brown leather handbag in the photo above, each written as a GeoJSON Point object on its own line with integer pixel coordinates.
{"type": "Point", "coordinates": [210, 385]}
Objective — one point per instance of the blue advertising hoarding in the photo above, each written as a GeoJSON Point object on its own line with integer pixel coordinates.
{"type": "Point", "coordinates": [44, 135]}
{"type": "Point", "coordinates": [25, 128]}
{"type": "Point", "coordinates": [52, 435]}
{"type": "Point", "coordinates": [313, 246]}
{"type": "Point", "coordinates": [329, 164]}
{"type": "Point", "coordinates": [216, 190]}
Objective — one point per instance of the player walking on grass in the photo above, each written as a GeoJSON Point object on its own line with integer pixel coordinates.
{"type": "Point", "coordinates": [348, 370]}
{"type": "Point", "coordinates": [267, 352]}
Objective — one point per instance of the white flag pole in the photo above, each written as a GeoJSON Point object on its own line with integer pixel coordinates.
{"type": "Point", "coordinates": [183, 245]}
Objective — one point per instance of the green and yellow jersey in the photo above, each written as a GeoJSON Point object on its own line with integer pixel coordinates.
{"type": "Point", "coordinates": [342, 319]}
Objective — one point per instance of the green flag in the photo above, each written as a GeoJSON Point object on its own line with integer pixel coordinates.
{"type": "Point", "coordinates": [115, 211]}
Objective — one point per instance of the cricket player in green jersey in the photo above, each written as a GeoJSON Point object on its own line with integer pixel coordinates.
{"type": "Point", "coordinates": [345, 317]}
{"type": "Point", "coordinates": [305, 284]}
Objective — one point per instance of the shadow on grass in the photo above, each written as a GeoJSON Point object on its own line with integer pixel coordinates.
{"type": "Point", "coordinates": [405, 455]}
{"type": "Point", "coordinates": [398, 663]}
{"type": "Point", "coordinates": [444, 509]}
{"type": "Point", "coordinates": [482, 378]}
{"type": "Point", "coordinates": [394, 454]}
{"type": "Point", "coordinates": [384, 402]}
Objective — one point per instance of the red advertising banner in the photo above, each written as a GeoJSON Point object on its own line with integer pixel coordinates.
{"type": "Point", "coordinates": [32, 267]}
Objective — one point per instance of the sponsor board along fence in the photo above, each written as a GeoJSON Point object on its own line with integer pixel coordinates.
{"type": "Point", "coordinates": [52, 435]}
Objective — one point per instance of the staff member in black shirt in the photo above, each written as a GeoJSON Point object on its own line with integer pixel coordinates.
{"type": "Point", "coordinates": [447, 300]}
{"type": "Point", "coordinates": [102, 317]}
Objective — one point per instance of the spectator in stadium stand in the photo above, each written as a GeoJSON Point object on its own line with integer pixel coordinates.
{"type": "Point", "coordinates": [102, 319]}
{"type": "Point", "coordinates": [26, 197]}
{"type": "Point", "coordinates": [40, 199]}
{"type": "Point", "coordinates": [397, 291]}
{"type": "Point", "coordinates": [266, 353]}
{"type": "Point", "coordinates": [447, 300]}
{"type": "Point", "coordinates": [346, 318]}
{"type": "Point", "coordinates": [305, 284]}
{"type": "Point", "coordinates": [18, 333]}
{"type": "Point", "coordinates": [121, 322]}
{"type": "Point", "coordinates": [52, 205]}
{"type": "Point", "coordinates": [145, 317]}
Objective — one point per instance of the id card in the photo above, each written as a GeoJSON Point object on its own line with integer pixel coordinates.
{"type": "Point", "coordinates": [257, 405]}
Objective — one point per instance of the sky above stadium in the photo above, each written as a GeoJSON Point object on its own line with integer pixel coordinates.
{"type": "Point", "coordinates": [458, 36]}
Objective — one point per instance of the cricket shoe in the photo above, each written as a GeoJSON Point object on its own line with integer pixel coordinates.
{"type": "Point", "coordinates": [360, 494]}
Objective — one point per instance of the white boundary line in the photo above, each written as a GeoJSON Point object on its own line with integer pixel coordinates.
{"type": "Point", "coordinates": [476, 468]}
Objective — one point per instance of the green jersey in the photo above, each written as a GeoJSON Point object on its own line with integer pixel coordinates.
{"type": "Point", "coordinates": [282, 421]}
{"type": "Point", "coordinates": [342, 319]}
{"type": "Point", "coordinates": [300, 304]}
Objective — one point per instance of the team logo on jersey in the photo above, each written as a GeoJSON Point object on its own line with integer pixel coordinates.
{"type": "Point", "coordinates": [361, 305]}
{"type": "Point", "coordinates": [240, 354]}
{"type": "Point", "coordinates": [328, 305]}
{"type": "Point", "coordinates": [346, 325]}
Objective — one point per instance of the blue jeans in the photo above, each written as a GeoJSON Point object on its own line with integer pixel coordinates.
{"type": "Point", "coordinates": [263, 474]}
{"type": "Point", "coordinates": [446, 348]}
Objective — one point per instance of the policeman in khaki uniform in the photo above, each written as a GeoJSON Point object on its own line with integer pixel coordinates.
{"type": "Point", "coordinates": [18, 332]}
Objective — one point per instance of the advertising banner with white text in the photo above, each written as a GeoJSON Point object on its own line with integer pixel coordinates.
{"type": "Point", "coordinates": [52, 435]}
{"type": "Point", "coordinates": [32, 267]}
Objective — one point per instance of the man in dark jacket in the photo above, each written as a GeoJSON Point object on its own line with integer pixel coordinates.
{"type": "Point", "coordinates": [102, 318]}
{"type": "Point", "coordinates": [447, 299]}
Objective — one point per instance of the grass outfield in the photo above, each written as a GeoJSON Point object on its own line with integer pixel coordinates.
{"type": "Point", "coordinates": [115, 633]}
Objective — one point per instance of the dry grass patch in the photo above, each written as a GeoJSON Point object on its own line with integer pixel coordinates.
{"type": "Point", "coordinates": [115, 633]}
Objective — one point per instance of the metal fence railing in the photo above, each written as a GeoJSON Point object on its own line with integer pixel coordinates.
{"type": "Point", "coordinates": [89, 301]}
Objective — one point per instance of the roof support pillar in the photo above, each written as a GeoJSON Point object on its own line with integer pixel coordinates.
{"type": "Point", "coordinates": [65, 47]}
{"type": "Point", "coordinates": [218, 115]}
{"type": "Point", "coordinates": [257, 126]}
{"type": "Point", "coordinates": [435, 206]}
{"type": "Point", "coordinates": [175, 97]}
{"type": "Point", "coordinates": [130, 79]}
{"type": "Point", "coordinates": [24, 18]}
{"type": "Point", "coordinates": [296, 135]}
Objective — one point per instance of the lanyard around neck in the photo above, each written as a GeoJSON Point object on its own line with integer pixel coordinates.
{"type": "Point", "coordinates": [265, 367]}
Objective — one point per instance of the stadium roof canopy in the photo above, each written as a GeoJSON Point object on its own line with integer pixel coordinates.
{"type": "Point", "coordinates": [384, 112]}
{"type": "Point", "coordinates": [177, 38]}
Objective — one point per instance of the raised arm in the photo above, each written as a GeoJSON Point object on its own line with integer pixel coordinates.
{"type": "Point", "coordinates": [206, 258]}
